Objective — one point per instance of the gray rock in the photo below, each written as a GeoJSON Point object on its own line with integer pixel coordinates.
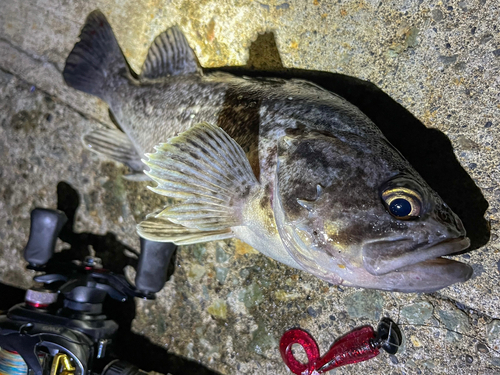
{"type": "Point", "coordinates": [437, 15]}
{"type": "Point", "coordinates": [495, 361]}
{"type": "Point", "coordinates": [430, 364]}
{"type": "Point", "coordinates": [220, 255]}
{"type": "Point", "coordinates": [283, 6]}
{"type": "Point", "coordinates": [199, 252]}
{"type": "Point", "coordinates": [262, 340]}
{"type": "Point", "coordinates": [448, 60]}
{"type": "Point", "coordinates": [481, 348]}
{"type": "Point", "coordinates": [365, 304]}
{"type": "Point", "coordinates": [417, 313]}
{"type": "Point", "coordinates": [493, 332]}
{"type": "Point", "coordinates": [221, 274]}
{"type": "Point", "coordinates": [251, 295]}
{"type": "Point", "coordinates": [456, 322]}
{"type": "Point", "coordinates": [313, 312]}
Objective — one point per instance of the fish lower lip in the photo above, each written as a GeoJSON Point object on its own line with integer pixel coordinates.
{"type": "Point", "coordinates": [377, 262]}
{"type": "Point", "coordinates": [433, 274]}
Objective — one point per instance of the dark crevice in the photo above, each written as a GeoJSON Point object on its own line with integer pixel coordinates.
{"type": "Point", "coordinates": [469, 311]}
{"type": "Point", "coordinates": [30, 55]}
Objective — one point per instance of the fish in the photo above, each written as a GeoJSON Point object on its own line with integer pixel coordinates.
{"type": "Point", "coordinates": [291, 169]}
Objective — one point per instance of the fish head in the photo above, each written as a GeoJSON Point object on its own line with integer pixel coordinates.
{"type": "Point", "coordinates": [353, 211]}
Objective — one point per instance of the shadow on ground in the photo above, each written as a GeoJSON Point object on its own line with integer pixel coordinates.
{"type": "Point", "coordinates": [428, 150]}
{"type": "Point", "coordinates": [133, 348]}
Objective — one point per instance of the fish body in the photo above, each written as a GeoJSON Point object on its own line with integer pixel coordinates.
{"type": "Point", "coordinates": [292, 169]}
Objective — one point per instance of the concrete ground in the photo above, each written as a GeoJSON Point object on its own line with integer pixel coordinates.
{"type": "Point", "coordinates": [227, 306]}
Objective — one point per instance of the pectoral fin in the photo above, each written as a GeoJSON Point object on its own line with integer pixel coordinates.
{"type": "Point", "coordinates": [163, 230]}
{"type": "Point", "coordinates": [209, 173]}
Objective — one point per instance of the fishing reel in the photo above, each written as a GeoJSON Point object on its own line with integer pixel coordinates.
{"type": "Point", "coordinates": [62, 327]}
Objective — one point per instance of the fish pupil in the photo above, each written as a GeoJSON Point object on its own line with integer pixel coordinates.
{"type": "Point", "coordinates": [400, 207]}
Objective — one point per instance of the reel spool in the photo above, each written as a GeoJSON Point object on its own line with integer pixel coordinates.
{"type": "Point", "coordinates": [11, 363]}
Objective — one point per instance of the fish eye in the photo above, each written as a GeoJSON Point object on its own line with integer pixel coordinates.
{"type": "Point", "coordinates": [402, 203]}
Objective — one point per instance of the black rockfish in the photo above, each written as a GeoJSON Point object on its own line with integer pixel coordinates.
{"type": "Point", "coordinates": [293, 170]}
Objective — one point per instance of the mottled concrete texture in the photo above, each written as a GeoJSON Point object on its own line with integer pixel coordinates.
{"type": "Point", "coordinates": [226, 306]}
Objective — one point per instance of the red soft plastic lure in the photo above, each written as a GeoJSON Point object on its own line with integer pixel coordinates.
{"type": "Point", "coordinates": [358, 345]}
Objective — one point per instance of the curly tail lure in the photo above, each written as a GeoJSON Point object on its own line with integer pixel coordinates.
{"type": "Point", "coordinates": [359, 345]}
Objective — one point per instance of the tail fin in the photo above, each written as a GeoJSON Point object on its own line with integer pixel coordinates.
{"type": "Point", "coordinates": [95, 59]}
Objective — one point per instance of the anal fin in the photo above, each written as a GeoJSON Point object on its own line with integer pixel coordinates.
{"type": "Point", "coordinates": [115, 145]}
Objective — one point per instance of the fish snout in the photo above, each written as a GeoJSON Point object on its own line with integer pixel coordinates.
{"type": "Point", "coordinates": [459, 226]}
{"type": "Point", "coordinates": [446, 218]}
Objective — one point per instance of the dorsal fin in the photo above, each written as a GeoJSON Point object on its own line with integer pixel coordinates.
{"type": "Point", "coordinates": [170, 55]}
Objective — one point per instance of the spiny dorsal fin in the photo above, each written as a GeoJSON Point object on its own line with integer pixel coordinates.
{"type": "Point", "coordinates": [209, 172]}
{"type": "Point", "coordinates": [170, 55]}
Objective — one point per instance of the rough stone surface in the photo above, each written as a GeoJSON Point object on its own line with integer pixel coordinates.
{"type": "Point", "coordinates": [417, 313]}
{"type": "Point", "coordinates": [365, 304]}
{"type": "Point", "coordinates": [457, 323]}
{"type": "Point", "coordinates": [226, 306]}
{"type": "Point", "coordinates": [493, 333]}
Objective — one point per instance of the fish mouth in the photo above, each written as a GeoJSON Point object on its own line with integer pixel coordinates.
{"type": "Point", "coordinates": [382, 257]}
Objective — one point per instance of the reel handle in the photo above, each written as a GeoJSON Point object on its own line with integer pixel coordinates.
{"type": "Point", "coordinates": [153, 263]}
{"type": "Point", "coordinates": [45, 227]}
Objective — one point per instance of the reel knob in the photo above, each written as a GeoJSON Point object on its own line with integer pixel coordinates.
{"type": "Point", "coordinates": [40, 298]}
{"type": "Point", "coordinates": [45, 227]}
